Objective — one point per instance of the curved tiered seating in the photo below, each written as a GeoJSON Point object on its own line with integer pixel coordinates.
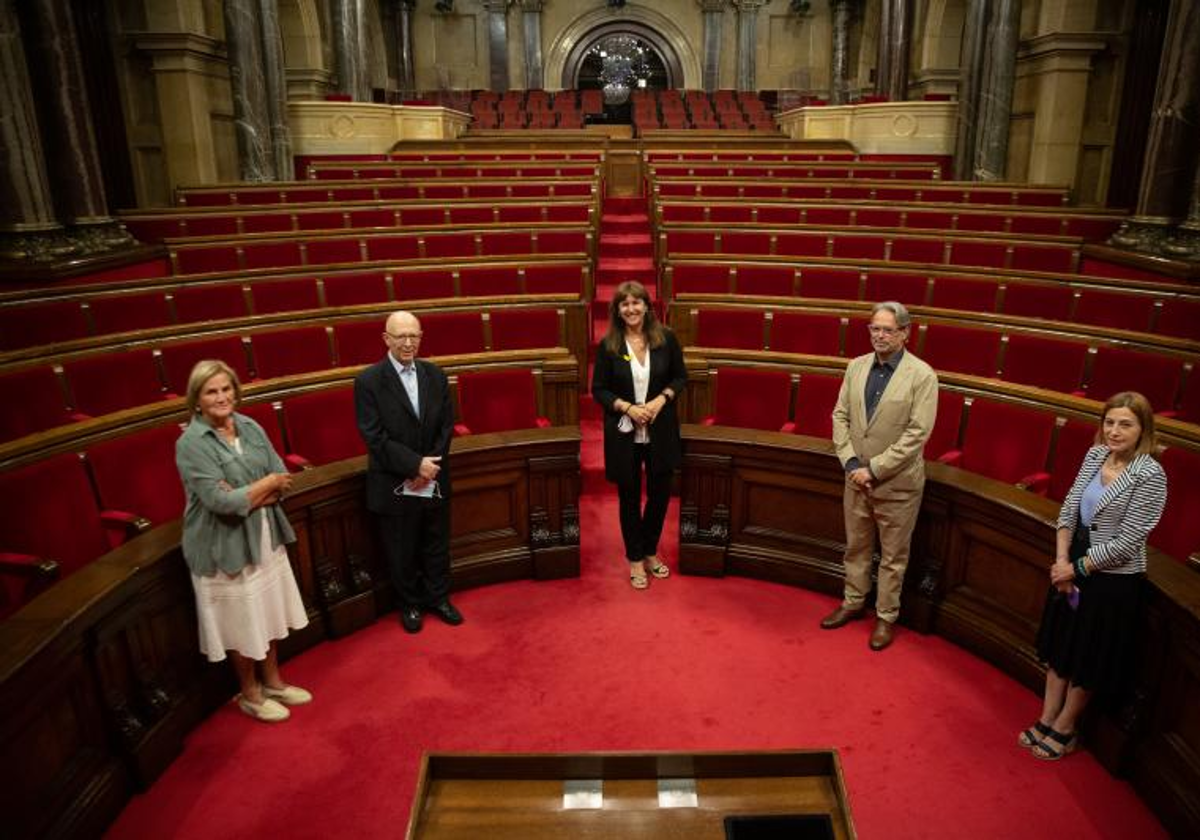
{"type": "Point", "coordinates": [309, 192]}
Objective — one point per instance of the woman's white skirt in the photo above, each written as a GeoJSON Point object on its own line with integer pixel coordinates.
{"type": "Point", "coordinates": [247, 611]}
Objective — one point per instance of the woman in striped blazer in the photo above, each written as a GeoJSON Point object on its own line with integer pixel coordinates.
{"type": "Point", "coordinates": [1087, 633]}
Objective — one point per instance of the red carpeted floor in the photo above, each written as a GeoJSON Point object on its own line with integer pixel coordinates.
{"type": "Point", "coordinates": [926, 731]}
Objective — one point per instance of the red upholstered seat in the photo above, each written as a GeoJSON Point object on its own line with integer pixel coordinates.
{"type": "Point", "coordinates": [284, 295]}
{"type": "Point", "coordinates": [423, 284]}
{"type": "Point", "coordinates": [205, 259]}
{"type": "Point", "coordinates": [801, 245]}
{"type": "Point", "coordinates": [126, 313]}
{"type": "Point", "coordinates": [554, 279]}
{"type": "Point", "coordinates": [355, 288]}
{"type": "Point", "coordinates": [359, 342]}
{"type": "Point", "coordinates": [861, 247]}
{"type": "Point", "coordinates": [815, 398]}
{"type": "Point", "coordinates": [41, 402]}
{"type": "Point", "coordinates": [331, 251]}
{"type": "Point", "coordinates": [776, 215]}
{"type": "Point", "coordinates": [378, 217]}
{"type": "Point", "coordinates": [508, 244]}
{"type": "Point", "coordinates": [479, 281]}
{"type": "Point", "coordinates": [858, 337]}
{"type": "Point", "coordinates": [1035, 300]}
{"type": "Point", "coordinates": [286, 352]}
{"type": "Point", "coordinates": [273, 254]}
{"type": "Point", "coordinates": [209, 302]}
{"type": "Point", "coordinates": [774, 280]}
{"type": "Point", "coordinates": [47, 322]}
{"type": "Point", "coordinates": [520, 329]}
{"type": "Point", "coordinates": [180, 357]}
{"type": "Point", "coordinates": [1189, 403]}
{"type": "Point", "coordinates": [109, 382]}
{"type": "Point", "coordinates": [31, 529]}
{"type": "Point", "coordinates": [909, 289]}
{"type": "Point", "coordinates": [266, 415]}
{"type": "Point", "coordinates": [877, 217]}
{"type": "Point", "coordinates": [992, 254]}
{"type": "Point", "coordinates": [832, 283]}
{"type": "Point", "coordinates": [321, 427]}
{"type": "Point", "coordinates": [973, 350]}
{"type": "Point", "coordinates": [1052, 258]}
{"type": "Point", "coordinates": [1180, 317]}
{"type": "Point", "coordinates": [1178, 532]}
{"type": "Point", "coordinates": [944, 437]}
{"type": "Point", "coordinates": [1115, 309]}
{"type": "Point", "coordinates": [392, 247]}
{"type": "Point", "coordinates": [730, 328]}
{"type": "Point", "coordinates": [1007, 442]}
{"type": "Point", "coordinates": [1074, 438]}
{"type": "Point", "coordinates": [698, 278]}
{"type": "Point", "coordinates": [966, 294]}
{"type": "Point", "coordinates": [1044, 362]}
{"type": "Point", "coordinates": [136, 477]}
{"type": "Point", "coordinates": [497, 401]}
{"type": "Point", "coordinates": [752, 242]}
{"type": "Point", "coordinates": [562, 242]}
{"type": "Point", "coordinates": [1155, 376]}
{"type": "Point", "coordinates": [801, 332]}
{"type": "Point", "coordinates": [751, 398]}
{"type": "Point", "coordinates": [320, 220]}
{"type": "Point", "coordinates": [448, 333]}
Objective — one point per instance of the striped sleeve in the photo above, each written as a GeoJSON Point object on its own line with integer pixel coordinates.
{"type": "Point", "coordinates": [1149, 497]}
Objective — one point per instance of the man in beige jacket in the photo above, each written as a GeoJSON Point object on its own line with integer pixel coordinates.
{"type": "Point", "coordinates": [884, 414]}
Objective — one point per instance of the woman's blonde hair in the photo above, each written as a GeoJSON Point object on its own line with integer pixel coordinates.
{"type": "Point", "coordinates": [1140, 406]}
{"type": "Point", "coordinates": [614, 339]}
{"type": "Point", "coordinates": [204, 371]}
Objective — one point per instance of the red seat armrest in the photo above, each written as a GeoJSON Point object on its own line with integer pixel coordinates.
{"type": "Point", "coordinates": [789, 428]}
{"type": "Point", "coordinates": [27, 565]}
{"type": "Point", "coordinates": [710, 420]}
{"type": "Point", "coordinates": [952, 458]}
{"type": "Point", "coordinates": [461, 429]}
{"type": "Point", "coordinates": [1038, 482]}
{"type": "Point", "coordinates": [295, 462]}
{"type": "Point", "coordinates": [121, 526]}
{"type": "Point", "coordinates": [544, 423]}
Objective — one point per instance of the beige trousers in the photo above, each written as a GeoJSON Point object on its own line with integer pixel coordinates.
{"type": "Point", "coordinates": [893, 519]}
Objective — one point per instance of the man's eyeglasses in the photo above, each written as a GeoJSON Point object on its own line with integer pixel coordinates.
{"type": "Point", "coordinates": [874, 330]}
{"type": "Point", "coordinates": [405, 338]}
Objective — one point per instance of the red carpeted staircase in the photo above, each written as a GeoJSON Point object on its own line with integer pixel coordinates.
{"type": "Point", "coordinates": [626, 253]}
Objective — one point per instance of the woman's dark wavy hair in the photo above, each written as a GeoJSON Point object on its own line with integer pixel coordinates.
{"type": "Point", "coordinates": [614, 339]}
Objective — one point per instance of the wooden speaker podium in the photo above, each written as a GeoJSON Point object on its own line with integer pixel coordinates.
{"type": "Point", "coordinates": [602, 795]}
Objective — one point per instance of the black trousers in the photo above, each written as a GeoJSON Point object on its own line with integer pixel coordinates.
{"type": "Point", "coordinates": [641, 527]}
{"type": "Point", "coordinates": [416, 542]}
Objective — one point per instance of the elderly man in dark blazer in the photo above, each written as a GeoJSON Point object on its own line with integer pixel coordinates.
{"type": "Point", "coordinates": [884, 414]}
{"type": "Point", "coordinates": [406, 417]}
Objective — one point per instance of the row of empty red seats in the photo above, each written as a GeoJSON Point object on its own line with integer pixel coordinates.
{"type": "Point", "coordinates": [83, 386]}
{"type": "Point", "coordinates": [1163, 309]}
{"type": "Point", "coordinates": [1055, 362]}
{"type": "Point", "coordinates": [336, 171]}
{"type": "Point", "coordinates": [1007, 441]}
{"type": "Point", "coordinates": [95, 311]}
{"type": "Point", "coordinates": [1039, 222]}
{"type": "Point", "coordinates": [793, 171]}
{"type": "Point", "coordinates": [176, 224]}
{"type": "Point", "coordinates": [697, 109]}
{"type": "Point", "coordinates": [1029, 253]}
{"type": "Point", "coordinates": [839, 190]}
{"type": "Point", "coordinates": [306, 192]}
{"type": "Point", "coordinates": [118, 487]}
{"type": "Point", "coordinates": [269, 252]}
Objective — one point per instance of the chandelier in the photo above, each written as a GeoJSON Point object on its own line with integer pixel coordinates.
{"type": "Point", "coordinates": [623, 66]}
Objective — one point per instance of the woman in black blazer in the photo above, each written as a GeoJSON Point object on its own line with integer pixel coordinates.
{"type": "Point", "coordinates": [638, 376]}
{"type": "Point", "coordinates": [1087, 631]}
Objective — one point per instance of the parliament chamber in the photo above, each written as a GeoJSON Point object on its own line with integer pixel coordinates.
{"type": "Point", "coordinates": [264, 182]}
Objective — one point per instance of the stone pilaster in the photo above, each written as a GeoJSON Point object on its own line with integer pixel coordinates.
{"type": "Point", "coordinates": [349, 46]}
{"type": "Point", "coordinates": [996, 91]}
{"type": "Point", "coordinates": [532, 30]}
{"type": "Point", "coordinates": [895, 36]}
{"type": "Point", "coordinates": [256, 153]}
{"type": "Point", "coordinates": [714, 16]}
{"type": "Point", "coordinates": [839, 51]}
{"type": "Point", "coordinates": [747, 42]}
{"type": "Point", "coordinates": [497, 25]}
{"type": "Point", "coordinates": [969, 88]}
{"type": "Point", "coordinates": [406, 75]}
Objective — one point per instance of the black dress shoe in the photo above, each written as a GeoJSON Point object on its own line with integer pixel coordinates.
{"type": "Point", "coordinates": [447, 613]}
{"type": "Point", "coordinates": [410, 619]}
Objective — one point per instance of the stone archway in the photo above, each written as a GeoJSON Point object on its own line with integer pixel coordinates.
{"type": "Point", "coordinates": [569, 47]}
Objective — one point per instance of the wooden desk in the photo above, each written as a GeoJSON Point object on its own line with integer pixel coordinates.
{"type": "Point", "coordinates": [465, 796]}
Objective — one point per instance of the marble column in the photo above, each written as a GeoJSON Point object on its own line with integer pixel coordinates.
{"type": "Point", "coordinates": [251, 118]}
{"type": "Point", "coordinates": [26, 203]}
{"type": "Point", "coordinates": [996, 91]}
{"type": "Point", "coordinates": [348, 47]}
{"type": "Point", "coordinates": [406, 76]}
{"type": "Point", "coordinates": [747, 42]}
{"type": "Point", "coordinates": [839, 71]}
{"type": "Point", "coordinates": [56, 73]}
{"type": "Point", "coordinates": [973, 47]}
{"type": "Point", "coordinates": [497, 23]}
{"type": "Point", "coordinates": [1170, 186]}
{"type": "Point", "coordinates": [532, 20]}
{"type": "Point", "coordinates": [895, 35]}
{"type": "Point", "coordinates": [713, 11]}
{"type": "Point", "coordinates": [275, 77]}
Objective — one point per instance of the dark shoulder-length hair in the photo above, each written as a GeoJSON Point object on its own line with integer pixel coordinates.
{"type": "Point", "coordinates": [614, 339]}
{"type": "Point", "coordinates": [1140, 406]}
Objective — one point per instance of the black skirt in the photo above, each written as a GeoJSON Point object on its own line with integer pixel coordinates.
{"type": "Point", "coordinates": [1093, 644]}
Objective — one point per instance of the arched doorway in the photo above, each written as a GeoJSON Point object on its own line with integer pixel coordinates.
{"type": "Point", "coordinates": [620, 58]}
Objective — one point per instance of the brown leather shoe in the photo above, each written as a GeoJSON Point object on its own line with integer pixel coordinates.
{"type": "Point", "coordinates": [839, 617]}
{"type": "Point", "coordinates": [881, 636]}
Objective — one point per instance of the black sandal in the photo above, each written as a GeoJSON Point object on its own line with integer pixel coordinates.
{"type": "Point", "coordinates": [1047, 751]}
{"type": "Point", "coordinates": [1034, 735]}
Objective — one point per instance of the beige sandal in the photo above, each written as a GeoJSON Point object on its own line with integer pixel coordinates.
{"type": "Point", "coordinates": [657, 568]}
{"type": "Point", "coordinates": [638, 581]}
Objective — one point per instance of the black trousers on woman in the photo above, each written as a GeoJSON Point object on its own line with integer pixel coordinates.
{"type": "Point", "coordinates": [641, 527]}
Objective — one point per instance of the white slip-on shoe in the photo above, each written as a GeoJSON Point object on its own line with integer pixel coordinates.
{"type": "Point", "coordinates": [292, 695]}
{"type": "Point", "coordinates": [268, 711]}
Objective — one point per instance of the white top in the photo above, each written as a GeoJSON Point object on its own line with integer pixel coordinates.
{"type": "Point", "coordinates": [641, 384]}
